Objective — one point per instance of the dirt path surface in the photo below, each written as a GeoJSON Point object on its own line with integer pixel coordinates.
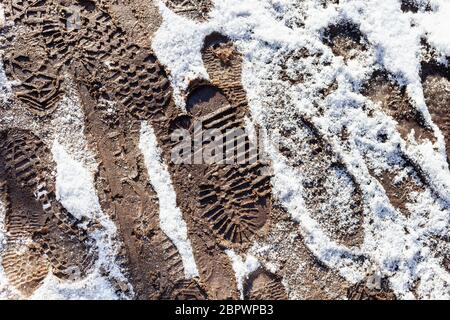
{"type": "Point", "coordinates": [37, 223]}
{"type": "Point", "coordinates": [174, 113]}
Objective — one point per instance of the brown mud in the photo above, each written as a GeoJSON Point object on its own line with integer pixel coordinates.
{"type": "Point", "coordinates": [262, 285]}
{"type": "Point", "coordinates": [395, 103]}
{"type": "Point", "coordinates": [105, 48]}
{"type": "Point", "coordinates": [42, 235]}
{"type": "Point", "coordinates": [81, 38]}
{"type": "Point", "coordinates": [193, 9]}
{"type": "Point", "coordinates": [371, 289]}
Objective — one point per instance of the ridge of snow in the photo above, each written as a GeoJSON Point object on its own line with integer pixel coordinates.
{"type": "Point", "coordinates": [2, 16]}
{"type": "Point", "coordinates": [242, 269]}
{"type": "Point", "coordinates": [5, 86]}
{"type": "Point", "coordinates": [170, 216]}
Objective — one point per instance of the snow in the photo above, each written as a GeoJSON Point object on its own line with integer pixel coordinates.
{"type": "Point", "coordinates": [93, 287]}
{"type": "Point", "coordinates": [170, 216]}
{"type": "Point", "coordinates": [76, 192]}
{"type": "Point", "coordinates": [5, 87]}
{"type": "Point", "coordinates": [66, 124]}
{"type": "Point", "coordinates": [75, 188]}
{"type": "Point", "coordinates": [268, 33]}
{"type": "Point", "coordinates": [287, 188]}
{"type": "Point", "coordinates": [2, 16]}
{"type": "Point", "coordinates": [434, 24]}
{"type": "Point", "coordinates": [68, 127]}
{"type": "Point", "coordinates": [242, 269]}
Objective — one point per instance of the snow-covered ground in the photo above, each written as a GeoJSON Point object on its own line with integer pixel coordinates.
{"type": "Point", "coordinates": [268, 33]}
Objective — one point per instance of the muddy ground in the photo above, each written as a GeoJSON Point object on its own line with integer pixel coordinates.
{"type": "Point", "coordinates": [54, 48]}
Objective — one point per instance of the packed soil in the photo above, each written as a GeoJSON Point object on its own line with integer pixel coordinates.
{"type": "Point", "coordinates": [101, 52]}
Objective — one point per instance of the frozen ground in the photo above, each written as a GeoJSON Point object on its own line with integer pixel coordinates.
{"type": "Point", "coordinates": [268, 33]}
{"type": "Point", "coordinates": [279, 40]}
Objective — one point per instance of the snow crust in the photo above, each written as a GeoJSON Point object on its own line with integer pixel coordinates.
{"type": "Point", "coordinates": [170, 216]}
{"type": "Point", "coordinates": [242, 268]}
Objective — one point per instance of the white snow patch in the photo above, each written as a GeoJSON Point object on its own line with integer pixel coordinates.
{"type": "Point", "coordinates": [68, 127]}
{"type": "Point", "coordinates": [93, 287]}
{"type": "Point", "coordinates": [242, 269]}
{"type": "Point", "coordinates": [435, 25]}
{"type": "Point", "coordinates": [170, 216]}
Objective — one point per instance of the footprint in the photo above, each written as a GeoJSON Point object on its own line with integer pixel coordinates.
{"type": "Point", "coordinates": [39, 79]}
{"type": "Point", "coordinates": [28, 12]}
{"type": "Point", "coordinates": [234, 190]}
{"type": "Point", "coordinates": [186, 290]}
{"type": "Point", "coordinates": [302, 273]}
{"type": "Point", "coordinates": [330, 192]}
{"type": "Point", "coordinates": [371, 289]}
{"type": "Point", "coordinates": [134, 87]}
{"type": "Point", "coordinates": [194, 9]}
{"type": "Point", "coordinates": [233, 198]}
{"type": "Point", "coordinates": [395, 103]}
{"type": "Point", "coordinates": [262, 285]}
{"type": "Point", "coordinates": [41, 234]}
{"type": "Point", "coordinates": [345, 40]}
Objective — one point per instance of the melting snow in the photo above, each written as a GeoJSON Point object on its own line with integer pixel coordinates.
{"type": "Point", "coordinates": [74, 185]}
{"type": "Point", "coordinates": [75, 190]}
{"type": "Point", "coordinates": [5, 87]}
{"type": "Point", "coordinates": [170, 216]}
{"type": "Point", "coordinates": [242, 269]}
